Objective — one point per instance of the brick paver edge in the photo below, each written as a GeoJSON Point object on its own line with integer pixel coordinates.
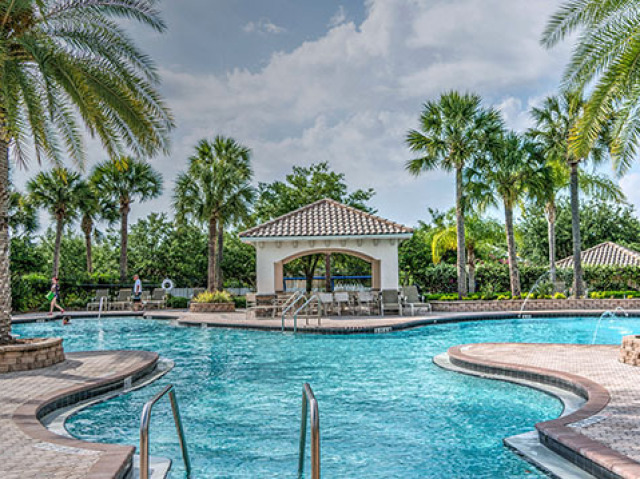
{"type": "Point", "coordinates": [583, 451]}
{"type": "Point", "coordinates": [115, 460]}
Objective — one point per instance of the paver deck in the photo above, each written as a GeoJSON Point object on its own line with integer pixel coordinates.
{"type": "Point", "coordinates": [606, 429]}
{"type": "Point", "coordinates": [28, 450]}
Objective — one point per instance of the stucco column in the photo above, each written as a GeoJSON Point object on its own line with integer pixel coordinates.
{"type": "Point", "coordinates": [265, 277]}
{"type": "Point", "coordinates": [375, 275]}
{"type": "Point", "coordinates": [278, 276]}
{"type": "Point", "coordinates": [389, 270]}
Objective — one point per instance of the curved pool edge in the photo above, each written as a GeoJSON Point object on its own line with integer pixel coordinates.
{"type": "Point", "coordinates": [588, 454]}
{"type": "Point", "coordinates": [114, 461]}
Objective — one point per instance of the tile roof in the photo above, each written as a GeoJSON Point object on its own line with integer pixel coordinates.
{"type": "Point", "coordinates": [326, 218]}
{"type": "Point", "coordinates": [605, 254]}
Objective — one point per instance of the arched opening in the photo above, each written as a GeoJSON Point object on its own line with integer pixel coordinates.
{"type": "Point", "coordinates": [327, 269]}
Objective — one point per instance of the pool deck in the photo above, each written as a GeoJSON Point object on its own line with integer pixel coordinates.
{"type": "Point", "coordinates": [601, 436]}
{"type": "Point", "coordinates": [30, 451]}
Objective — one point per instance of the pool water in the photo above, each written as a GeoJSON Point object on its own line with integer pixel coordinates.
{"type": "Point", "coordinates": [386, 411]}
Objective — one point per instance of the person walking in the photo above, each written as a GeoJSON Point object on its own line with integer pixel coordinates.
{"type": "Point", "coordinates": [54, 296]}
{"type": "Point", "coordinates": [137, 293]}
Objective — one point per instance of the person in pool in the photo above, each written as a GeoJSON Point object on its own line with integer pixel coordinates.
{"type": "Point", "coordinates": [55, 289]}
{"type": "Point", "coordinates": [66, 320]}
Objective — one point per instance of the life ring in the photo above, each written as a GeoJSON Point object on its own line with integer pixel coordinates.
{"type": "Point", "coordinates": [167, 285]}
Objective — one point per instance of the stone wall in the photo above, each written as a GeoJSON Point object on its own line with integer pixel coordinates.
{"type": "Point", "coordinates": [31, 354]}
{"type": "Point", "coordinates": [630, 350]}
{"type": "Point", "coordinates": [534, 305]}
{"type": "Point", "coordinates": [212, 307]}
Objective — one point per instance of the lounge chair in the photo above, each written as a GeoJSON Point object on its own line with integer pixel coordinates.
{"type": "Point", "coordinates": [325, 303]}
{"type": "Point", "coordinates": [390, 301]}
{"type": "Point", "coordinates": [94, 304]}
{"type": "Point", "coordinates": [158, 299]}
{"type": "Point", "coordinates": [342, 302]}
{"type": "Point", "coordinates": [366, 301]}
{"type": "Point", "coordinates": [123, 301]}
{"type": "Point", "coordinates": [413, 300]}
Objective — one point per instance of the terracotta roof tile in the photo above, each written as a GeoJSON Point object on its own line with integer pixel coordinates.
{"type": "Point", "coordinates": [605, 254]}
{"type": "Point", "coordinates": [326, 218]}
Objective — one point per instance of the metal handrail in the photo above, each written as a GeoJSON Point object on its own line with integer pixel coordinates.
{"type": "Point", "coordinates": [309, 398]}
{"type": "Point", "coordinates": [298, 296]}
{"type": "Point", "coordinates": [304, 305]}
{"type": "Point", "coordinates": [144, 431]}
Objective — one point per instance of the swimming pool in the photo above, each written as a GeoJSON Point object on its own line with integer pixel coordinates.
{"type": "Point", "coordinates": [386, 410]}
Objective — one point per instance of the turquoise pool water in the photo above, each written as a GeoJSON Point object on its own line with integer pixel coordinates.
{"type": "Point", "coordinates": [386, 410]}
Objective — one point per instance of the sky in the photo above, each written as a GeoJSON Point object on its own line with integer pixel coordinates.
{"type": "Point", "coordinates": [303, 81]}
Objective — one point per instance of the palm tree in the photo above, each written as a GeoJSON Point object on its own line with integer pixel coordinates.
{"type": "Point", "coordinates": [59, 192]}
{"type": "Point", "coordinates": [65, 64]}
{"type": "Point", "coordinates": [516, 168]}
{"type": "Point", "coordinates": [119, 183]}
{"type": "Point", "coordinates": [480, 235]}
{"type": "Point", "coordinates": [23, 216]}
{"type": "Point", "coordinates": [91, 211]}
{"type": "Point", "coordinates": [454, 131]}
{"type": "Point", "coordinates": [216, 190]}
{"type": "Point", "coordinates": [604, 62]}
{"type": "Point", "coordinates": [555, 121]}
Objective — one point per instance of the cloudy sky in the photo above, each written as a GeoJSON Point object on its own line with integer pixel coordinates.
{"type": "Point", "coordinates": [302, 81]}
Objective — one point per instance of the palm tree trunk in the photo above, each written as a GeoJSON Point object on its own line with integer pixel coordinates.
{"type": "Point", "coordinates": [551, 224]}
{"type": "Point", "coordinates": [578, 286]}
{"type": "Point", "coordinates": [87, 229]}
{"type": "Point", "coordinates": [56, 247]}
{"type": "Point", "coordinates": [5, 242]}
{"type": "Point", "coordinates": [462, 274]}
{"type": "Point", "coordinates": [124, 239]}
{"type": "Point", "coordinates": [514, 273]}
{"type": "Point", "coordinates": [219, 255]}
{"type": "Point", "coordinates": [471, 260]}
{"type": "Point", "coordinates": [327, 272]}
{"type": "Point", "coordinates": [211, 269]}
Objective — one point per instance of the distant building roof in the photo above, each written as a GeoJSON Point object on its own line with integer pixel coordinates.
{"type": "Point", "coordinates": [326, 218]}
{"type": "Point", "coordinates": [605, 254]}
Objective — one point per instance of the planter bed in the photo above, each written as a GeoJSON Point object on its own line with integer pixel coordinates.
{"type": "Point", "coordinates": [533, 305]}
{"type": "Point", "coordinates": [212, 307]}
{"type": "Point", "coordinates": [27, 354]}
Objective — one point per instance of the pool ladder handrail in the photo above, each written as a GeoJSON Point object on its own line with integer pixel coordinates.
{"type": "Point", "coordinates": [144, 431]}
{"type": "Point", "coordinates": [306, 305]}
{"type": "Point", "coordinates": [308, 398]}
{"type": "Point", "coordinates": [295, 298]}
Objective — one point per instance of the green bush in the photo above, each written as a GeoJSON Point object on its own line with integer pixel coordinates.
{"type": "Point", "coordinates": [614, 294]}
{"type": "Point", "coordinates": [213, 297]}
{"type": "Point", "coordinates": [177, 302]}
{"type": "Point", "coordinates": [240, 301]}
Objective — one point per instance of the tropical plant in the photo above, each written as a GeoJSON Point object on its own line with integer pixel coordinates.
{"type": "Point", "coordinates": [91, 212]}
{"type": "Point", "coordinates": [213, 297]}
{"type": "Point", "coordinates": [555, 121]}
{"type": "Point", "coordinates": [23, 216]}
{"type": "Point", "coordinates": [605, 63]}
{"type": "Point", "coordinates": [118, 184]}
{"type": "Point", "coordinates": [481, 238]}
{"type": "Point", "coordinates": [64, 64]}
{"type": "Point", "coordinates": [516, 168]}
{"type": "Point", "coordinates": [216, 190]}
{"type": "Point", "coordinates": [57, 191]}
{"type": "Point", "coordinates": [454, 131]}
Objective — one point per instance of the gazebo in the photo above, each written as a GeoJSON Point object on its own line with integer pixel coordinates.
{"type": "Point", "coordinates": [326, 226]}
{"type": "Point", "coordinates": [604, 254]}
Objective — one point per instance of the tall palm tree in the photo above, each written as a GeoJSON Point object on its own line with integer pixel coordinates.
{"type": "Point", "coordinates": [58, 191]}
{"type": "Point", "coordinates": [91, 211]}
{"type": "Point", "coordinates": [515, 168]}
{"type": "Point", "coordinates": [454, 131]}
{"type": "Point", "coordinates": [119, 183]}
{"type": "Point", "coordinates": [23, 216]}
{"type": "Point", "coordinates": [604, 62]}
{"type": "Point", "coordinates": [66, 64]}
{"type": "Point", "coordinates": [480, 235]}
{"type": "Point", "coordinates": [555, 121]}
{"type": "Point", "coordinates": [216, 190]}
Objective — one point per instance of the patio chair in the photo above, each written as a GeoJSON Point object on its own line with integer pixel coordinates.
{"type": "Point", "coordinates": [325, 303]}
{"type": "Point", "coordinates": [342, 302]}
{"type": "Point", "coordinates": [390, 301]}
{"type": "Point", "coordinates": [123, 301]}
{"type": "Point", "coordinates": [366, 301]}
{"type": "Point", "coordinates": [413, 300]}
{"type": "Point", "coordinates": [157, 300]}
{"type": "Point", "coordinates": [94, 304]}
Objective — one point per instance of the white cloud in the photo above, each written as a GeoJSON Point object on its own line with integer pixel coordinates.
{"type": "Point", "coordinates": [264, 25]}
{"type": "Point", "coordinates": [338, 18]}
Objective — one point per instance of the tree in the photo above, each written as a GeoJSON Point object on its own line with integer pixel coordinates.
{"type": "Point", "coordinates": [91, 211]}
{"type": "Point", "coordinates": [303, 186]}
{"type": "Point", "coordinates": [605, 63]}
{"type": "Point", "coordinates": [23, 216]}
{"type": "Point", "coordinates": [516, 168]}
{"type": "Point", "coordinates": [555, 121]}
{"type": "Point", "coordinates": [65, 64]}
{"type": "Point", "coordinates": [119, 183]}
{"type": "Point", "coordinates": [216, 190]}
{"type": "Point", "coordinates": [481, 238]}
{"type": "Point", "coordinates": [454, 131]}
{"type": "Point", "coordinates": [59, 192]}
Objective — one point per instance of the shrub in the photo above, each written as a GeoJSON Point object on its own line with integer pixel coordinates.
{"type": "Point", "coordinates": [213, 297]}
{"type": "Point", "coordinates": [177, 302]}
{"type": "Point", "coordinates": [240, 301]}
{"type": "Point", "coordinates": [559, 296]}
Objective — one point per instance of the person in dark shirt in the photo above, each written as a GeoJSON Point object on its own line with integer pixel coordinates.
{"type": "Point", "coordinates": [55, 289]}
